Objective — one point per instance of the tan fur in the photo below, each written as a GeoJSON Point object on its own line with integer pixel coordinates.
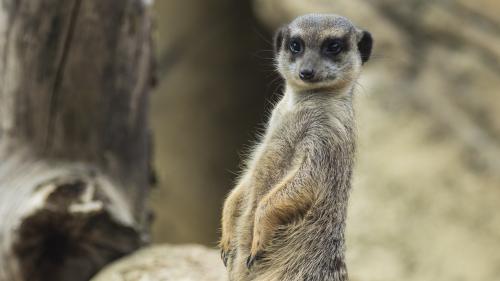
{"type": "Point", "coordinates": [285, 219]}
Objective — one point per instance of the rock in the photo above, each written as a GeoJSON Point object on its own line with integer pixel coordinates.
{"type": "Point", "coordinates": [167, 263]}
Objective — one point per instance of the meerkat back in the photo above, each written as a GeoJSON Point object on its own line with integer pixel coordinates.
{"type": "Point", "coordinates": [285, 218]}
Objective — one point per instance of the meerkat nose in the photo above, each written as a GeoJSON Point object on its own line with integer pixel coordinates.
{"type": "Point", "coordinates": [306, 74]}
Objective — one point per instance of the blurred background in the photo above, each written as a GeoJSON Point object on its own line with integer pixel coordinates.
{"type": "Point", "coordinates": [426, 193]}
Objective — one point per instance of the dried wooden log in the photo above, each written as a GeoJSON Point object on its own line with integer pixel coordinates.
{"type": "Point", "coordinates": [74, 138]}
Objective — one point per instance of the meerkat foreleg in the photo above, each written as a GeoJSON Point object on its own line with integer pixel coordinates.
{"type": "Point", "coordinates": [229, 215]}
{"type": "Point", "coordinates": [287, 201]}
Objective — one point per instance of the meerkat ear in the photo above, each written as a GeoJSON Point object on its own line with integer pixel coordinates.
{"type": "Point", "coordinates": [365, 44]}
{"type": "Point", "coordinates": [279, 36]}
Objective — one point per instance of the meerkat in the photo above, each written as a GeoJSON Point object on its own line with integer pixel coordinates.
{"type": "Point", "coordinates": [285, 219]}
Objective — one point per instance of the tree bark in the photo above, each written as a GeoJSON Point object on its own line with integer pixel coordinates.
{"type": "Point", "coordinates": [74, 138]}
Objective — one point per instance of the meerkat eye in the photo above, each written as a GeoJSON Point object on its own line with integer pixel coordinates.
{"type": "Point", "coordinates": [334, 47]}
{"type": "Point", "coordinates": [295, 46]}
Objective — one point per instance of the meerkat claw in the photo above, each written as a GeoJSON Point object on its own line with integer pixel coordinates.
{"type": "Point", "coordinates": [224, 256]}
{"type": "Point", "coordinates": [252, 259]}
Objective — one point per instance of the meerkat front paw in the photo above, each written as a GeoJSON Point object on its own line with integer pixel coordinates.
{"type": "Point", "coordinates": [229, 215]}
{"type": "Point", "coordinates": [259, 239]}
{"type": "Point", "coordinates": [256, 252]}
{"type": "Point", "coordinates": [225, 249]}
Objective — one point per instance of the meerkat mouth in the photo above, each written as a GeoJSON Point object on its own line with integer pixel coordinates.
{"type": "Point", "coordinates": [318, 82]}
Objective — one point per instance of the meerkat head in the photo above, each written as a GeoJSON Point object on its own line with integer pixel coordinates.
{"type": "Point", "coordinates": [320, 51]}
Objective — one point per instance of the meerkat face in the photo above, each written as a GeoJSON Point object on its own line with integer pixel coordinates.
{"type": "Point", "coordinates": [321, 52]}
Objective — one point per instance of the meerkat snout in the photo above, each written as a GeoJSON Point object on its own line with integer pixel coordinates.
{"type": "Point", "coordinates": [321, 51]}
{"type": "Point", "coordinates": [306, 74]}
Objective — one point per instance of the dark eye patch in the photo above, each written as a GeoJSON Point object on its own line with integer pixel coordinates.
{"type": "Point", "coordinates": [296, 45]}
{"type": "Point", "coordinates": [334, 46]}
